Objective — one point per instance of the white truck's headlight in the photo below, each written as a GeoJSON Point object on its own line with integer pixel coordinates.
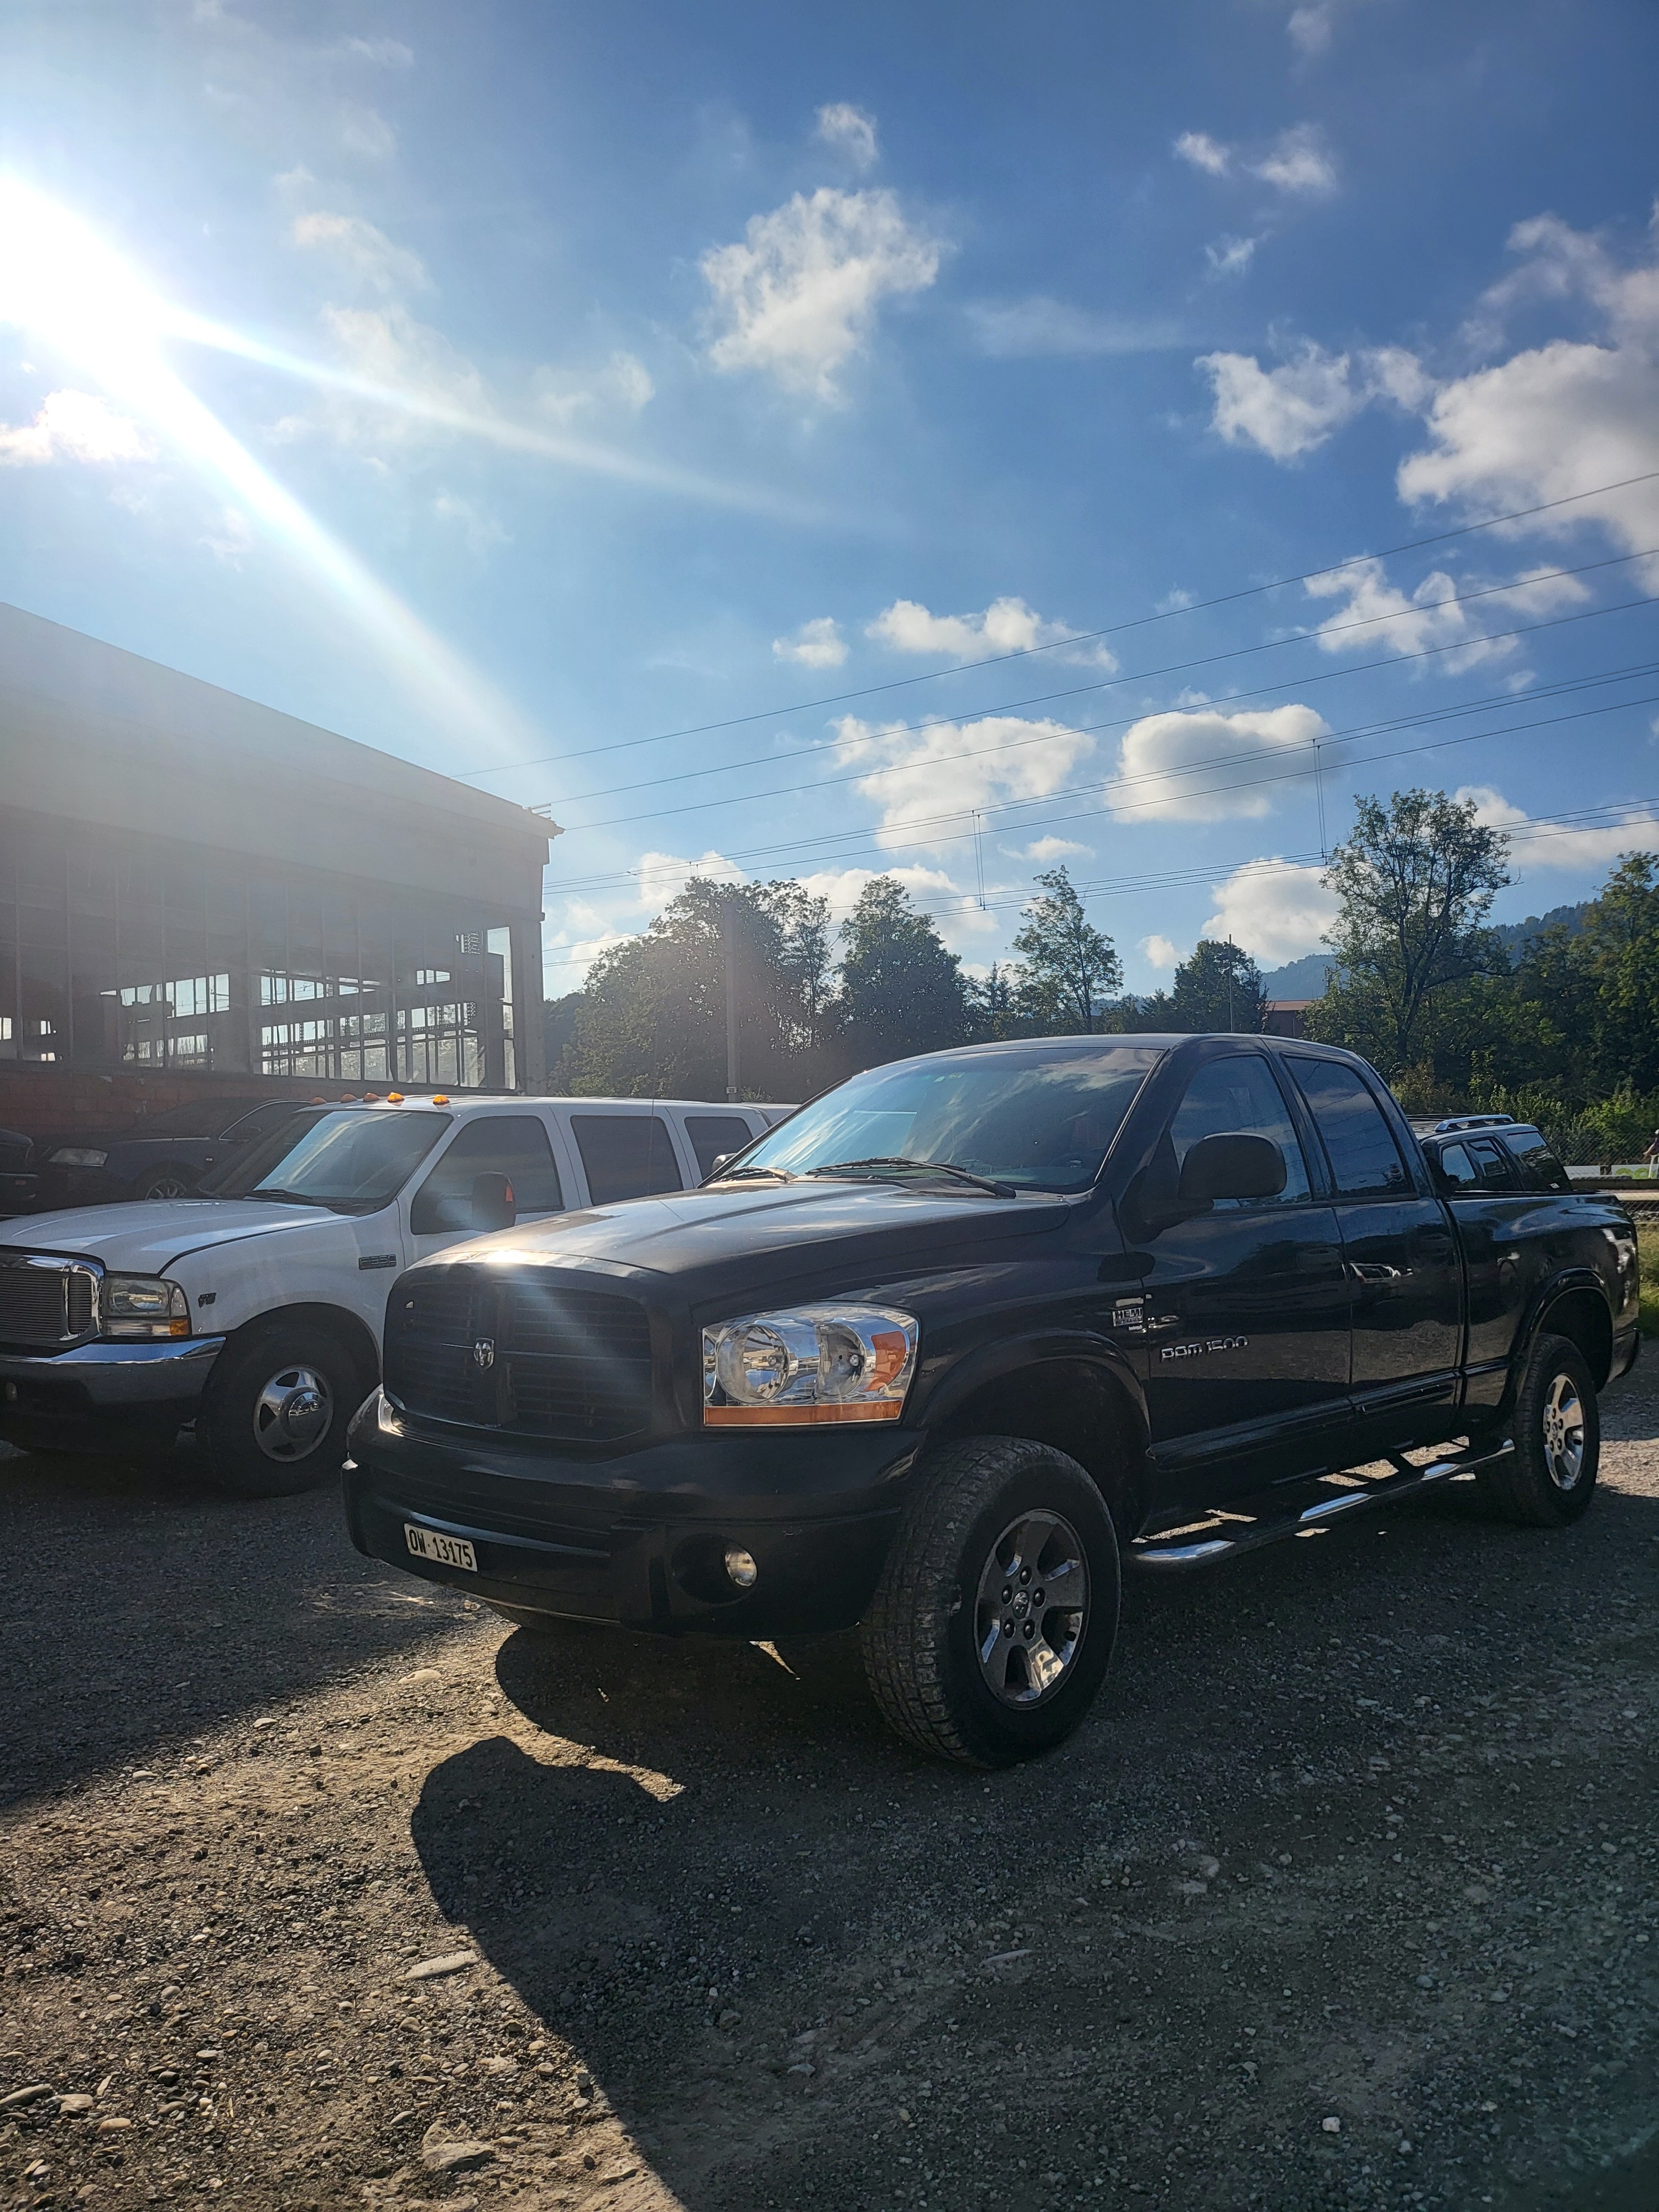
{"type": "Point", "coordinates": [77, 1156]}
{"type": "Point", "coordinates": [144, 1306]}
{"type": "Point", "coordinates": [829, 1363]}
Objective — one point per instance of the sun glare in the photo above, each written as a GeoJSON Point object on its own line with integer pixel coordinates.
{"type": "Point", "coordinates": [60, 282]}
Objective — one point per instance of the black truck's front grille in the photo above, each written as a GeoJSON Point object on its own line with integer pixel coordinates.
{"type": "Point", "coordinates": [44, 1303]}
{"type": "Point", "coordinates": [521, 1353]}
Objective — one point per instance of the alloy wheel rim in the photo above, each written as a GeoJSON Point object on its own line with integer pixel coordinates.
{"type": "Point", "coordinates": [1563, 1433]}
{"type": "Point", "coordinates": [1031, 1609]}
{"type": "Point", "coordinates": [293, 1414]}
{"type": "Point", "coordinates": [168, 1186]}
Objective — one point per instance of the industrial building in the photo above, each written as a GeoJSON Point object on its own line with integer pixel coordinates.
{"type": "Point", "coordinates": [200, 896]}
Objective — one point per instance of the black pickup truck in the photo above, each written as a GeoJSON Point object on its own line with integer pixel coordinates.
{"type": "Point", "coordinates": [939, 1353]}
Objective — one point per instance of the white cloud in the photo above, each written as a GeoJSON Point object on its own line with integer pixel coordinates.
{"type": "Point", "coordinates": [799, 296]}
{"type": "Point", "coordinates": [1040, 327]}
{"type": "Point", "coordinates": [1044, 850]}
{"type": "Point", "coordinates": [965, 764]}
{"type": "Point", "coordinates": [1559, 849]}
{"type": "Point", "coordinates": [233, 538]}
{"type": "Point", "coordinates": [385, 53]}
{"type": "Point", "coordinates": [623, 386]}
{"type": "Point", "coordinates": [1298, 161]}
{"type": "Point", "coordinates": [1432, 615]}
{"type": "Point", "coordinates": [1276, 912]}
{"type": "Point", "coordinates": [478, 529]}
{"type": "Point", "coordinates": [1007, 625]}
{"type": "Point", "coordinates": [366, 132]}
{"type": "Point", "coordinates": [1556, 418]}
{"type": "Point", "coordinates": [1310, 27]}
{"type": "Point", "coordinates": [1203, 152]}
{"type": "Point", "coordinates": [365, 252]}
{"type": "Point", "coordinates": [1157, 751]}
{"type": "Point", "coordinates": [73, 426]}
{"type": "Point", "coordinates": [956, 912]}
{"type": "Point", "coordinates": [851, 130]}
{"type": "Point", "coordinates": [816, 644]}
{"type": "Point", "coordinates": [662, 876]}
{"type": "Point", "coordinates": [387, 346]}
{"type": "Point", "coordinates": [1231, 257]}
{"type": "Point", "coordinates": [1287, 411]}
{"type": "Point", "coordinates": [1159, 952]}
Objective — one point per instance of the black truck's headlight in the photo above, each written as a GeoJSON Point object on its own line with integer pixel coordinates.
{"type": "Point", "coordinates": [144, 1305]}
{"type": "Point", "coordinates": [77, 1156]}
{"type": "Point", "coordinates": [829, 1363]}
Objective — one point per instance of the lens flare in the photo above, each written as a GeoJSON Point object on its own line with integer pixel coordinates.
{"type": "Point", "coordinates": [59, 281]}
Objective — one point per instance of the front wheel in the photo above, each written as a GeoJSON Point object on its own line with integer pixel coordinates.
{"type": "Point", "coordinates": [994, 1621]}
{"type": "Point", "coordinates": [163, 1182]}
{"type": "Point", "coordinates": [1549, 1479]}
{"type": "Point", "coordinates": [275, 1414]}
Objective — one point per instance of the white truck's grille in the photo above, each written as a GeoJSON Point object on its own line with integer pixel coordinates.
{"type": "Point", "coordinates": [45, 1301]}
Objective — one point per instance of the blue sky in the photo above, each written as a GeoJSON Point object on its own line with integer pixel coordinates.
{"type": "Point", "coordinates": [506, 385]}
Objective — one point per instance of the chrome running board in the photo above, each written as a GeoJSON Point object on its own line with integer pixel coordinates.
{"type": "Point", "coordinates": [1193, 1546]}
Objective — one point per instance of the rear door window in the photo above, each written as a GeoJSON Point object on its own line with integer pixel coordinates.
{"type": "Point", "coordinates": [713, 1134]}
{"type": "Point", "coordinates": [626, 1155]}
{"type": "Point", "coordinates": [513, 1145]}
{"type": "Point", "coordinates": [1540, 1168]}
{"type": "Point", "coordinates": [1457, 1170]}
{"type": "Point", "coordinates": [1363, 1156]}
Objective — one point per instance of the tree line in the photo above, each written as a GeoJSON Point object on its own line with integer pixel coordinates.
{"type": "Point", "coordinates": [817, 1003]}
{"type": "Point", "coordinates": [1563, 1029]}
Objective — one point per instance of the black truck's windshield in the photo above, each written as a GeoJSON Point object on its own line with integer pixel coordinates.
{"type": "Point", "coordinates": [1028, 1115]}
{"type": "Point", "coordinates": [350, 1162]}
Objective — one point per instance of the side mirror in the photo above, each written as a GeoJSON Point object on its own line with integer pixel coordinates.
{"type": "Point", "coordinates": [494, 1206]}
{"type": "Point", "coordinates": [1232, 1165]}
{"type": "Point", "coordinates": [721, 1160]}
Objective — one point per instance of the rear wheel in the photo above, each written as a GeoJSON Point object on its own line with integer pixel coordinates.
{"type": "Point", "coordinates": [1549, 1479]}
{"type": "Point", "coordinates": [994, 1621]}
{"type": "Point", "coordinates": [274, 1413]}
{"type": "Point", "coordinates": [161, 1182]}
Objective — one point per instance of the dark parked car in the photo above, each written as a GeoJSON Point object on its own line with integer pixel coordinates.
{"type": "Point", "coordinates": [18, 1182]}
{"type": "Point", "coordinates": [162, 1155]}
{"type": "Point", "coordinates": [959, 1338]}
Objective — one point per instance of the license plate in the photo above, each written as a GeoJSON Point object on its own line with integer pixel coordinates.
{"type": "Point", "coordinates": [447, 1550]}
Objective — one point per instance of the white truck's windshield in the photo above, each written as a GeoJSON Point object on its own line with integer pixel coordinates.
{"type": "Point", "coordinates": [350, 1162]}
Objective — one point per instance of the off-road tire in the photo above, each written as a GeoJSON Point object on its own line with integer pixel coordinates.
{"type": "Point", "coordinates": [1529, 1487]}
{"type": "Point", "coordinates": [225, 1427]}
{"type": "Point", "coordinates": [919, 1634]}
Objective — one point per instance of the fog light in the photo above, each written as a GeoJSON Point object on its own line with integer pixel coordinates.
{"type": "Point", "coordinates": [740, 1566]}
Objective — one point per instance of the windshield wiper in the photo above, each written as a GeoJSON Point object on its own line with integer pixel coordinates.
{"type": "Point", "coordinates": [743, 1175]}
{"type": "Point", "coordinates": [288, 1198]}
{"type": "Point", "coordinates": [918, 1167]}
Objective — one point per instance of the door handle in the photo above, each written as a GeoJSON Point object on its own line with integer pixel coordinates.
{"type": "Point", "coordinates": [1158, 1324]}
{"type": "Point", "coordinates": [1371, 1271]}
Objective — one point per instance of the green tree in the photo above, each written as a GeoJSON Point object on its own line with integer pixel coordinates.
{"type": "Point", "coordinates": [993, 1004]}
{"type": "Point", "coordinates": [1070, 967]}
{"type": "Point", "coordinates": [1220, 988]}
{"type": "Point", "coordinates": [1416, 881]}
{"type": "Point", "coordinates": [901, 991]}
{"type": "Point", "coordinates": [1597, 988]}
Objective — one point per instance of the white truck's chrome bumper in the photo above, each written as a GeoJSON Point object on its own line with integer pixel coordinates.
{"type": "Point", "coordinates": [117, 1374]}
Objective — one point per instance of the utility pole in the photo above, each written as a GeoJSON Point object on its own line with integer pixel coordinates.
{"type": "Point", "coordinates": [729, 934]}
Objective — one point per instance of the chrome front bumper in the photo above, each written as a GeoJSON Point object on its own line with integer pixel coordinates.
{"type": "Point", "coordinates": [114, 1374]}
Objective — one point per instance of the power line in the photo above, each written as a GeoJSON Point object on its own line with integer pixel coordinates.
{"type": "Point", "coordinates": [1078, 637]}
{"type": "Point", "coordinates": [1565, 686]}
{"type": "Point", "coordinates": [1177, 668]}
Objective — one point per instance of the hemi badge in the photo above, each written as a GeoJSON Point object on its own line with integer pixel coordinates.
{"type": "Point", "coordinates": [1129, 1313]}
{"type": "Point", "coordinates": [378, 1260]}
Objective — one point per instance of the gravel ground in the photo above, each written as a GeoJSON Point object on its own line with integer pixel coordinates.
{"type": "Point", "coordinates": [1347, 1896]}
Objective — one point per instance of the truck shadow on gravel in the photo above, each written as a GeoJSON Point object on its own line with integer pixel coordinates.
{"type": "Point", "coordinates": [138, 1607]}
{"type": "Point", "coordinates": [704, 1906]}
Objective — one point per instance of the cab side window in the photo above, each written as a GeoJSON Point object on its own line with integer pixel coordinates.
{"type": "Point", "coordinates": [1492, 1164]}
{"type": "Point", "coordinates": [712, 1134]}
{"type": "Point", "coordinates": [1363, 1156]}
{"type": "Point", "coordinates": [513, 1145]}
{"type": "Point", "coordinates": [1239, 1096]}
{"type": "Point", "coordinates": [626, 1155]}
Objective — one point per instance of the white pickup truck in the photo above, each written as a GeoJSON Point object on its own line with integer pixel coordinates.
{"type": "Point", "coordinates": [256, 1310]}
